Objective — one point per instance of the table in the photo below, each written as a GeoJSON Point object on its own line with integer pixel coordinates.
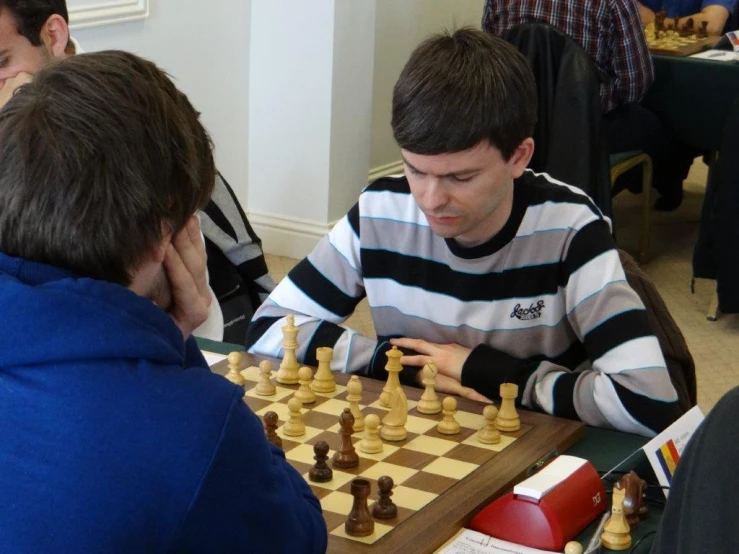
{"type": "Point", "coordinates": [602, 447]}
{"type": "Point", "coordinates": [693, 96]}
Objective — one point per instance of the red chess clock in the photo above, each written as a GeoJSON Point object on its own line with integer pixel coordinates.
{"type": "Point", "coordinates": [548, 509]}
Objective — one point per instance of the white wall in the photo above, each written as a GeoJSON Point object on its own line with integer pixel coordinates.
{"type": "Point", "coordinates": [401, 26]}
{"type": "Point", "coordinates": [205, 47]}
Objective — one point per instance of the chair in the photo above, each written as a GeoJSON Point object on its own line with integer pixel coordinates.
{"type": "Point", "coordinates": [620, 164]}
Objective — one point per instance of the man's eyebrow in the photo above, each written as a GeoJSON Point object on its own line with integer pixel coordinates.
{"type": "Point", "coordinates": [4, 51]}
{"type": "Point", "coordinates": [469, 171]}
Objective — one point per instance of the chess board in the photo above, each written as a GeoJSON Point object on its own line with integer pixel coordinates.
{"type": "Point", "coordinates": [441, 481]}
{"type": "Point", "coordinates": [676, 45]}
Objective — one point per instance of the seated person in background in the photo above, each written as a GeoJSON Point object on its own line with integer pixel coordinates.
{"type": "Point", "coordinates": [114, 435]}
{"type": "Point", "coordinates": [610, 32]}
{"type": "Point", "coordinates": [493, 272]}
{"type": "Point", "coordinates": [715, 12]}
{"type": "Point", "coordinates": [32, 33]}
{"type": "Point", "coordinates": [700, 514]}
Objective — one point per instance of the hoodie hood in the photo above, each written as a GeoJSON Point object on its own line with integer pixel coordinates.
{"type": "Point", "coordinates": [50, 316]}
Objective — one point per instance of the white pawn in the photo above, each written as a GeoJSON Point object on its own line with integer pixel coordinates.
{"type": "Point", "coordinates": [449, 425]}
{"type": "Point", "coordinates": [305, 394]}
{"type": "Point", "coordinates": [354, 395]}
{"type": "Point", "coordinates": [429, 403]}
{"type": "Point", "coordinates": [371, 443]}
{"type": "Point", "coordinates": [265, 386]}
{"type": "Point", "coordinates": [573, 547]}
{"type": "Point", "coordinates": [294, 427]}
{"type": "Point", "coordinates": [234, 367]}
{"type": "Point", "coordinates": [489, 434]}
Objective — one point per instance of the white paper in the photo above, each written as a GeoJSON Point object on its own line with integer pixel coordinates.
{"type": "Point", "coordinates": [212, 358]}
{"type": "Point", "coordinates": [549, 477]}
{"type": "Point", "coordinates": [472, 542]}
{"type": "Point", "coordinates": [717, 55]}
{"type": "Point", "coordinates": [679, 434]}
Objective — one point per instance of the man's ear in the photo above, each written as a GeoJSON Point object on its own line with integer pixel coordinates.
{"type": "Point", "coordinates": [161, 249]}
{"type": "Point", "coordinates": [55, 35]}
{"type": "Point", "coordinates": [521, 157]}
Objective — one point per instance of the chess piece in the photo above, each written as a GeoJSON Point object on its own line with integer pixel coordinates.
{"type": "Point", "coordinates": [448, 425]}
{"type": "Point", "coordinates": [305, 394]}
{"type": "Point", "coordinates": [371, 443]}
{"type": "Point", "coordinates": [359, 523]}
{"type": "Point", "coordinates": [294, 427]}
{"type": "Point", "coordinates": [234, 369]}
{"type": "Point", "coordinates": [265, 386]}
{"type": "Point", "coordinates": [393, 424]}
{"type": "Point", "coordinates": [354, 395]}
{"type": "Point", "coordinates": [393, 369]}
{"type": "Point", "coordinates": [323, 381]}
{"type": "Point", "coordinates": [288, 372]}
{"type": "Point", "coordinates": [429, 403]}
{"type": "Point", "coordinates": [634, 487]}
{"type": "Point", "coordinates": [320, 472]}
{"type": "Point", "coordinates": [703, 31]}
{"type": "Point", "coordinates": [573, 547]}
{"type": "Point", "coordinates": [346, 457]}
{"type": "Point", "coordinates": [489, 434]}
{"type": "Point", "coordinates": [270, 429]}
{"type": "Point", "coordinates": [616, 531]}
{"type": "Point", "coordinates": [508, 420]}
{"type": "Point", "coordinates": [384, 508]}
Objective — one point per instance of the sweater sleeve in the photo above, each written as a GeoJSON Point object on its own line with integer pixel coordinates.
{"type": "Point", "coordinates": [624, 384]}
{"type": "Point", "coordinates": [322, 291]}
{"type": "Point", "coordinates": [250, 499]}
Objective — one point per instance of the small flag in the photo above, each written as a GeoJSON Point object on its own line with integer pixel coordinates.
{"type": "Point", "coordinates": [668, 457]}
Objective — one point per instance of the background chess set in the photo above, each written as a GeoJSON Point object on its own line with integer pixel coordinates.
{"type": "Point", "coordinates": [423, 466]}
{"type": "Point", "coordinates": [671, 42]}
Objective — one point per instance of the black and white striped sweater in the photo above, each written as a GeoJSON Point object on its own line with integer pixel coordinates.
{"type": "Point", "coordinates": [544, 304]}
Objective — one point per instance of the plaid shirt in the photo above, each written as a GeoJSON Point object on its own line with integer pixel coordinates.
{"type": "Point", "coordinates": [609, 30]}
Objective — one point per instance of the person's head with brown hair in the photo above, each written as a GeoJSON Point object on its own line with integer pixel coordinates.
{"type": "Point", "coordinates": [464, 111]}
{"type": "Point", "coordinates": [102, 162]}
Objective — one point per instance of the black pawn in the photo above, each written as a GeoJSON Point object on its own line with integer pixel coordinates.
{"type": "Point", "coordinates": [270, 429]}
{"type": "Point", "coordinates": [320, 472]}
{"type": "Point", "coordinates": [384, 508]}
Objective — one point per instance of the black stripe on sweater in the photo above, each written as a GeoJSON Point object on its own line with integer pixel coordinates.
{"type": "Point", "coordinates": [563, 394]}
{"type": "Point", "coordinates": [616, 331]}
{"type": "Point", "coordinates": [257, 329]}
{"type": "Point", "coordinates": [325, 335]}
{"type": "Point", "coordinates": [353, 218]}
{"type": "Point", "coordinates": [314, 284]}
{"type": "Point", "coordinates": [654, 414]}
{"type": "Point", "coordinates": [590, 242]}
{"type": "Point", "coordinates": [398, 185]}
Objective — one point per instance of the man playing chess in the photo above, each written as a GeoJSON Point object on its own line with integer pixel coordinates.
{"type": "Point", "coordinates": [114, 435]}
{"type": "Point", "coordinates": [493, 272]}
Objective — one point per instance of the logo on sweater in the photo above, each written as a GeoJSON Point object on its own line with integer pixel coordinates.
{"type": "Point", "coordinates": [525, 314]}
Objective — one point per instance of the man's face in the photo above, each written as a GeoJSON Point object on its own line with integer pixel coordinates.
{"type": "Point", "coordinates": [17, 54]}
{"type": "Point", "coordinates": [466, 195]}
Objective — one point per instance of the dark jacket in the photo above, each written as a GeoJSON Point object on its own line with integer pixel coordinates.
{"type": "Point", "coordinates": [115, 437]}
{"type": "Point", "coordinates": [568, 131]}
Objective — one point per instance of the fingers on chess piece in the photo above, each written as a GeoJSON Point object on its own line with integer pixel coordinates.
{"type": "Point", "coordinates": [371, 443]}
{"type": "Point", "coordinates": [384, 508]}
{"type": "Point", "coordinates": [573, 547]}
{"type": "Point", "coordinates": [508, 420]}
{"type": "Point", "coordinates": [323, 380]}
{"type": "Point", "coordinates": [270, 429]}
{"type": "Point", "coordinates": [448, 425]}
{"type": "Point", "coordinates": [320, 472]}
{"type": "Point", "coordinates": [305, 393]}
{"type": "Point", "coordinates": [288, 372]}
{"type": "Point", "coordinates": [346, 456]}
{"type": "Point", "coordinates": [489, 434]}
{"type": "Point", "coordinates": [294, 427]}
{"type": "Point", "coordinates": [359, 523]}
{"type": "Point", "coordinates": [429, 403]}
{"type": "Point", "coordinates": [393, 424]}
{"type": "Point", "coordinates": [265, 386]}
{"type": "Point", "coordinates": [616, 533]}
{"type": "Point", "coordinates": [393, 369]}
{"type": "Point", "coordinates": [354, 396]}
{"type": "Point", "coordinates": [234, 369]}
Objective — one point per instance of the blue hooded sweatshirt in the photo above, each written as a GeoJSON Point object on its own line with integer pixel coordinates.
{"type": "Point", "coordinates": [116, 438]}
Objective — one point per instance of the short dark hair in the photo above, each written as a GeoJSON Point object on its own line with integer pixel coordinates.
{"type": "Point", "coordinates": [459, 89]}
{"type": "Point", "coordinates": [32, 14]}
{"type": "Point", "coordinates": [96, 153]}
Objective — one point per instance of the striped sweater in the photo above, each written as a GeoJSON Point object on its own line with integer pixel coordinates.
{"type": "Point", "coordinates": [544, 304]}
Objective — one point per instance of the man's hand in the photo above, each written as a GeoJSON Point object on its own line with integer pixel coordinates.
{"type": "Point", "coordinates": [449, 358]}
{"type": "Point", "coordinates": [186, 264]}
{"type": "Point", "coordinates": [646, 15]}
{"type": "Point", "coordinates": [11, 85]}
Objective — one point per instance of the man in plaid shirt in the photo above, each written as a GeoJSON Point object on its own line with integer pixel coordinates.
{"type": "Point", "coordinates": [610, 31]}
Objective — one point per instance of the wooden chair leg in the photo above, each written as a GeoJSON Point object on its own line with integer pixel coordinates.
{"type": "Point", "coordinates": [713, 313]}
